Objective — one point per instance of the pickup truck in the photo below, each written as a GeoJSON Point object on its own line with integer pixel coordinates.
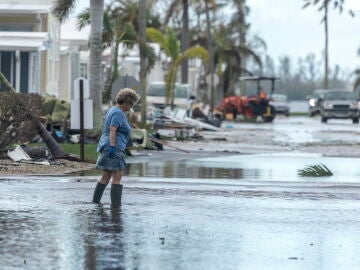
{"type": "Point", "coordinates": [156, 96]}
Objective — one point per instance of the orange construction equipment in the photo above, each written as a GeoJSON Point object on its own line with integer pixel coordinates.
{"type": "Point", "coordinates": [249, 107]}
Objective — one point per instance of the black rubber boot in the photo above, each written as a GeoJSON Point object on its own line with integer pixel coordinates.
{"type": "Point", "coordinates": [98, 192]}
{"type": "Point", "coordinates": [115, 195]}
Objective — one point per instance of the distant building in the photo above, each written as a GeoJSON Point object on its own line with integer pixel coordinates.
{"type": "Point", "coordinates": [29, 46]}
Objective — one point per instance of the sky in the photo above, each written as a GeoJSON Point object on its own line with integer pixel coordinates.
{"type": "Point", "coordinates": [290, 30]}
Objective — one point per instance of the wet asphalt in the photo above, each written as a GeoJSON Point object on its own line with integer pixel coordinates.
{"type": "Point", "coordinates": [236, 211]}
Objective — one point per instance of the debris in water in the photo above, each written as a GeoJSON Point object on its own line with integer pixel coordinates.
{"type": "Point", "coordinates": [318, 170]}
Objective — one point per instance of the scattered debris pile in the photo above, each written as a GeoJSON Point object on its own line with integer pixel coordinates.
{"type": "Point", "coordinates": [17, 123]}
{"type": "Point", "coordinates": [178, 119]}
{"type": "Point", "coordinates": [32, 155]}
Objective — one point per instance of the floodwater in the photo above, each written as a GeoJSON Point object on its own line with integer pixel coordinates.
{"type": "Point", "coordinates": [233, 212]}
{"type": "Point", "coordinates": [259, 167]}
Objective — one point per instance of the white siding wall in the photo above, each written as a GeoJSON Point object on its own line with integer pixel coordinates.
{"type": "Point", "coordinates": [64, 80]}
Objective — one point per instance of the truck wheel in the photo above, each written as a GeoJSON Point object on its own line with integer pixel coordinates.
{"type": "Point", "coordinates": [324, 119]}
{"type": "Point", "coordinates": [355, 120]}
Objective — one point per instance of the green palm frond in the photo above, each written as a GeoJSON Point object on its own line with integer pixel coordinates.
{"type": "Point", "coordinates": [317, 170]}
{"type": "Point", "coordinates": [168, 42]}
{"type": "Point", "coordinates": [83, 19]}
{"type": "Point", "coordinates": [195, 52]}
{"type": "Point", "coordinates": [128, 36]}
{"type": "Point", "coordinates": [172, 48]}
{"type": "Point", "coordinates": [156, 36]}
{"type": "Point", "coordinates": [63, 8]}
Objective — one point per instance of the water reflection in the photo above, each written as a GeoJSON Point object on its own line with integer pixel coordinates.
{"type": "Point", "coordinates": [183, 170]}
{"type": "Point", "coordinates": [186, 170]}
{"type": "Point", "coordinates": [103, 238]}
{"type": "Point", "coordinates": [87, 238]}
{"type": "Point", "coordinates": [267, 167]}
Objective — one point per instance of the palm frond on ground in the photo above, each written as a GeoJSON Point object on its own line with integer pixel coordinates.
{"type": "Point", "coordinates": [316, 170]}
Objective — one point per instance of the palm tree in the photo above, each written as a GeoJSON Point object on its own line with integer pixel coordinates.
{"type": "Point", "coordinates": [211, 5]}
{"type": "Point", "coordinates": [185, 40]}
{"type": "Point", "coordinates": [120, 26]}
{"type": "Point", "coordinates": [324, 6]}
{"type": "Point", "coordinates": [211, 56]}
{"type": "Point", "coordinates": [169, 43]}
{"type": "Point", "coordinates": [117, 29]}
{"type": "Point", "coordinates": [228, 59]}
{"type": "Point", "coordinates": [185, 43]}
{"type": "Point", "coordinates": [61, 10]}
{"type": "Point", "coordinates": [239, 22]}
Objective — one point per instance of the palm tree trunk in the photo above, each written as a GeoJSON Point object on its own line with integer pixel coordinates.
{"type": "Point", "coordinates": [115, 71]}
{"type": "Point", "coordinates": [326, 53]}
{"type": "Point", "coordinates": [172, 75]}
{"type": "Point", "coordinates": [142, 41]}
{"type": "Point", "coordinates": [242, 41]}
{"type": "Point", "coordinates": [211, 57]}
{"type": "Point", "coordinates": [50, 142]}
{"type": "Point", "coordinates": [96, 14]}
{"type": "Point", "coordinates": [185, 41]}
{"type": "Point", "coordinates": [6, 83]}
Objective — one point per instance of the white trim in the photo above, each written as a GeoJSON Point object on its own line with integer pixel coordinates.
{"type": "Point", "coordinates": [14, 8]}
{"type": "Point", "coordinates": [23, 41]}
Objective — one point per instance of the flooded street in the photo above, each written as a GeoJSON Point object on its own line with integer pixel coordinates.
{"type": "Point", "coordinates": [245, 208]}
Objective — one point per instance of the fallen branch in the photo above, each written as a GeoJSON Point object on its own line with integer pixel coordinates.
{"type": "Point", "coordinates": [167, 144]}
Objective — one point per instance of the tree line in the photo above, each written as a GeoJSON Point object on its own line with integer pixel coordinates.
{"type": "Point", "coordinates": [219, 26]}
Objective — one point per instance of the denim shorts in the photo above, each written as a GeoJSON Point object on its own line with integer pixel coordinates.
{"type": "Point", "coordinates": [105, 162]}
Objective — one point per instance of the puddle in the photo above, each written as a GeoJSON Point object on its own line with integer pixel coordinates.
{"type": "Point", "coordinates": [284, 166]}
{"type": "Point", "coordinates": [267, 167]}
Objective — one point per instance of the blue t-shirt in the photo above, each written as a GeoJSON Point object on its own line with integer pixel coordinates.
{"type": "Point", "coordinates": [117, 118]}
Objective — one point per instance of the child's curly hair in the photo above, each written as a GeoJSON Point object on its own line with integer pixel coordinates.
{"type": "Point", "coordinates": [127, 95]}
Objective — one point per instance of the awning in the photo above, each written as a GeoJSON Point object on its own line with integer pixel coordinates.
{"type": "Point", "coordinates": [24, 41]}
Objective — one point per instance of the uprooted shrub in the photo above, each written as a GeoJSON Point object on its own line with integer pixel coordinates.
{"type": "Point", "coordinates": [16, 123]}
